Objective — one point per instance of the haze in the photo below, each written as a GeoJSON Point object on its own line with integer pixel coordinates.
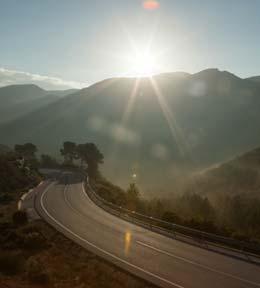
{"type": "Point", "coordinates": [81, 42]}
{"type": "Point", "coordinates": [129, 143]}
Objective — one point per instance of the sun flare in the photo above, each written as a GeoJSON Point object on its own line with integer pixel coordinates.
{"type": "Point", "coordinates": [143, 63]}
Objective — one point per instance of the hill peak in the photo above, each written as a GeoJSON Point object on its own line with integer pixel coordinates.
{"type": "Point", "coordinates": [215, 72]}
{"type": "Point", "coordinates": [23, 86]}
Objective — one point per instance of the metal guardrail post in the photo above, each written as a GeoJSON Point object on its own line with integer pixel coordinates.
{"type": "Point", "coordinates": [151, 223]}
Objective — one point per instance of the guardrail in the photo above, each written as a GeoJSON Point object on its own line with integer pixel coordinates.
{"type": "Point", "coordinates": [174, 230]}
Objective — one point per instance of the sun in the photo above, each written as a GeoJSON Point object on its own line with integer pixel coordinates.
{"type": "Point", "coordinates": [143, 63]}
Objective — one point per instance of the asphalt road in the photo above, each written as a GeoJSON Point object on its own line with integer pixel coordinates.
{"type": "Point", "coordinates": [163, 261]}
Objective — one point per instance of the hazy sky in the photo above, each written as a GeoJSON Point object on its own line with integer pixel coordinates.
{"type": "Point", "coordinates": [86, 41]}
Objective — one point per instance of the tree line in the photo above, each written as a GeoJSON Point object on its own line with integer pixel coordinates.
{"type": "Point", "coordinates": [234, 216]}
{"type": "Point", "coordinates": [19, 166]}
{"type": "Point", "coordinates": [88, 154]}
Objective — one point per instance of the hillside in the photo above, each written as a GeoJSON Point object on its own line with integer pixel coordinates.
{"type": "Point", "coordinates": [4, 149]}
{"type": "Point", "coordinates": [240, 176]}
{"type": "Point", "coordinates": [158, 130]}
{"type": "Point", "coordinates": [255, 79]}
{"type": "Point", "coordinates": [62, 93]}
{"type": "Point", "coordinates": [18, 100]}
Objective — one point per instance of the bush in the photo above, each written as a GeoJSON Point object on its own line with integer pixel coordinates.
{"type": "Point", "coordinates": [171, 217]}
{"type": "Point", "coordinates": [6, 198]}
{"type": "Point", "coordinates": [34, 241]}
{"type": "Point", "coordinates": [12, 262]}
{"type": "Point", "coordinates": [11, 239]}
{"type": "Point", "coordinates": [20, 218]}
{"type": "Point", "coordinates": [36, 272]}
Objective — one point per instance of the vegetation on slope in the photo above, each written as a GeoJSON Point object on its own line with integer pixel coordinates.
{"type": "Point", "coordinates": [213, 115]}
{"type": "Point", "coordinates": [18, 171]}
{"type": "Point", "coordinates": [223, 201]}
{"type": "Point", "coordinates": [35, 255]}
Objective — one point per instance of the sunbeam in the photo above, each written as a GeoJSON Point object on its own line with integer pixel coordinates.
{"type": "Point", "coordinates": [131, 101]}
{"type": "Point", "coordinates": [170, 119]}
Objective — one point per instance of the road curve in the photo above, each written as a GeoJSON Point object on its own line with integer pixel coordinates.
{"type": "Point", "coordinates": [163, 261]}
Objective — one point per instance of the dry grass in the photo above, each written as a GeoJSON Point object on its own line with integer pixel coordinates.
{"type": "Point", "coordinates": [59, 262]}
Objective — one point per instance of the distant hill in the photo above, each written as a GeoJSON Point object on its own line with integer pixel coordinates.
{"type": "Point", "coordinates": [4, 149]}
{"type": "Point", "coordinates": [255, 79]}
{"type": "Point", "coordinates": [61, 93]}
{"type": "Point", "coordinates": [157, 129]}
{"type": "Point", "coordinates": [18, 100]}
{"type": "Point", "coordinates": [240, 176]}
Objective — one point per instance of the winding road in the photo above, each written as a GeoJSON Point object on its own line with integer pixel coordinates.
{"type": "Point", "coordinates": [161, 260]}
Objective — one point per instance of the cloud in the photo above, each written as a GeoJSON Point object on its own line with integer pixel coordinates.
{"type": "Point", "coordinates": [10, 77]}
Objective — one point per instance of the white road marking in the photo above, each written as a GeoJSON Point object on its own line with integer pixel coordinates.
{"type": "Point", "coordinates": [66, 198]}
{"type": "Point", "coordinates": [189, 261]}
{"type": "Point", "coordinates": [100, 249]}
{"type": "Point", "coordinates": [197, 264]}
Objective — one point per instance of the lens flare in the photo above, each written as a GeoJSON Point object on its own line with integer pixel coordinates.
{"type": "Point", "coordinates": [151, 5]}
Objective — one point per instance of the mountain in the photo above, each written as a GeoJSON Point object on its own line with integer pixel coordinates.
{"type": "Point", "coordinates": [158, 128]}
{"type": "Point", "coordinates": [255, 79]}
{"type": "Point", "coordinates": [18, 100]}
{"type": "Point", "coordinates": [239, 176]}
{"type": "Point", "coordinates": [62, 93]}
{"type": "Point", "coordinates": [4, 149]}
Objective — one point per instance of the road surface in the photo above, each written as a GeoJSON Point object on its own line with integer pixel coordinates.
{"type": "Point", "coordinates": [163, 261]}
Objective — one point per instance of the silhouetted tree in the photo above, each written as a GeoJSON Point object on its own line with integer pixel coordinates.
{"type": "Point", "coordinates": [26, 156]}
{"type": "Point", "coordinates": [69, 152]}
{"type": "Point", "coordinates": [90, 154]}
{"type": "Point", "coordinates": [20, 218]}
{"type": "Point", "coordinates": [171, 217]}
{"type": "Point", "coordinates": [48, 161]}
{"type": "Point", "coordinates": [26, 150]}
{"type": "Point", "coordinates": [132, 196]}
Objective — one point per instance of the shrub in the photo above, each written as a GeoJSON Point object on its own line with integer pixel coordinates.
{"type": "Point", "coordinates": [6, 198]}
{"type": "Point", "coordinates": [11, 262]}
{"type": "Point", "coordinates": [36, 272]}
{"type": "Point", "coordinates": [34, 241]}
{"type": "Point", "coordinates": [171, 217]}
{"type": "Point", "coordinates": [20, 218]}
{"type": "Point", "coordinates": [11, 239]}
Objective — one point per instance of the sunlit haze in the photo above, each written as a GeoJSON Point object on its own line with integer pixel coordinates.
{"type": "Point", "coordinates": [77, 43]}
{"type": "Point", "coordinates": [129, 143]}
{"type": "Point", "coordinates": [142, 63]}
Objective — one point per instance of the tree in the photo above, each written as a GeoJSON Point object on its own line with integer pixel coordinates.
{"type": "Point", "coordinates": [172, 217]}
{"type": "Point", "coordinates": [69, 152]}
{"type": "Point", "coordinates": [90, 154]}
{"type": "Point", "coordinates": [27, 157]}
{"type": "Point", "coordinates": [48, 161]}
{"type": "Point", "coordinates": [20, 218]}
{"type": "Point", "coordinates": [132, 196]}
{"type": "Point", "coordinates": [26, 150]}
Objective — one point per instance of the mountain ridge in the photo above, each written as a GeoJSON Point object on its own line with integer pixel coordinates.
{"type": "Point", "coordinates": [20, 99]}
{"type": "Point", "coordinates": [172, 124]}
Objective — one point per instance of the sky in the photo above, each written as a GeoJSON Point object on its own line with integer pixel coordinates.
{"type": "Point", "coordinates": [61, 44]}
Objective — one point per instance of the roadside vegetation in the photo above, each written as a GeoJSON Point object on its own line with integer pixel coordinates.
{"type": "Point", "coordinates": [215, 202]}
{"type": "Point", "coordinates": [32, 254]}
{"type": "Point", "coordinates": [227, 213]}
{"type": "Point", "coordinates": [35, 255]}
{"type": "Point", "coordinates": [230, 211]}
{"type": "Point", "coordinates": [18, 171]}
